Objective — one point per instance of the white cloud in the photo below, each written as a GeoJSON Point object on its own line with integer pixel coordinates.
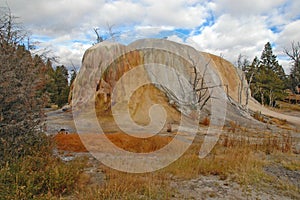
{"type": "Point", "coordinates": [54, 16]}
{"type": "Point", "coordinates": [291, 9]}
{"type": "Point", "coordinates": [152, 30]}
{"type": "Point", "coordinates": [60, 17]}
{"type": "Point", "coordinates": [230, 36]}
{"type": "Point", "coordinates": [180, 13]}
{"type": "Point", "coordinates": [175, 38]}
{"type": "Point", "coordinates": [69, 20]}
{"type": "Point", "coordinates": [119, 13]}
{"type": "Point", "coordinates": [235, 27]}
{"type": "Point", "coordinates": [290, 33]}
{"type": "Point", "coordinates": [245, 7]}
{"type": "Point", "coordinates": [70, 55]}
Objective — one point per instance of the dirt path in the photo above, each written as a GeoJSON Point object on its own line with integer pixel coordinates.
{"type": "Point", "coordinates": [294, 120]}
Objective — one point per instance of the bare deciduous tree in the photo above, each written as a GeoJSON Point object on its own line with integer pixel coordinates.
{"type": "Point", "coordinates": [294, 55]}
{"type": "Point", "coordinates": [242, 64]}
{"type": "Point", "coordinates": [99, 38]}
{"type": "Point", "coordinates": [11, 32]}
{"type": "Point", "coordinates": [110, 34]}
{"type": "Point", "coordinates": [201, 91]}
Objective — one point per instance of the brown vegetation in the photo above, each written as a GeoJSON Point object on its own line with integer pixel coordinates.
{"type": "Point", "coordinates": [73, 143]}
{"type": "Point", "coordinates": [69, 142]}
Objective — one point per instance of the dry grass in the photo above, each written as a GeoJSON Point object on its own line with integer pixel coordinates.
{"type": "Point", "coordinates": [230, 149]}
{"type": "Point", "coordinates": [287, 106]}
{"type": "Point", "coordinates": [259, 117]}
{"type": "Point", "coordinates": [120, 185]}
{"type": "Point", "coordinates": [69, 142]}
{"type": "Point", "coordinates": [279, 122]}
{"type": "Point", "coordinates": [221, 161]}
{"type": "Point", "coordinates": [233, 127]}
{"type": "Point", "coordinates": [238, 157]}
{"type": "Point", "coordinates": [293, 165]}
{"type": "Point", "coordinates": [138, 145]}
{"type": "Point", "coordinates": [273, 144]}
{"type": "Point", "coordinates": [73, 143]}
{"type": "Point", "coordinates": [288, 161]}
{"type": "Point", "coordinates": [41, 176]}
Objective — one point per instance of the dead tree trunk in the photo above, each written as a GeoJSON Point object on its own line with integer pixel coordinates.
{"type": "Point", "coordinates": [247, 90]}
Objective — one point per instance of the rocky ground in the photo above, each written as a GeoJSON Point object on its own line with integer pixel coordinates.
{"type": "Point", "coordinates": [211, 187]}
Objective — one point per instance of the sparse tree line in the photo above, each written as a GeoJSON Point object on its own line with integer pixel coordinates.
{"type": "Point", "coordinates": [266, 77]}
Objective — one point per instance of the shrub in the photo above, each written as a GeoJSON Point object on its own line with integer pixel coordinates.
{"type": "Point", "coordinates": [39, 176]}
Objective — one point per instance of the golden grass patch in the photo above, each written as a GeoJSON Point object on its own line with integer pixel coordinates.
{"type": "Point", "coordinates": [73, 142]}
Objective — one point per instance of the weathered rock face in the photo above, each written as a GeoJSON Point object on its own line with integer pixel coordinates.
{"type": "Point", "coordinates": [141, 100]}
{"type": "Point", "coordinates": [152, 71]}
{"type": "Point", "coordinates": [232, 78]}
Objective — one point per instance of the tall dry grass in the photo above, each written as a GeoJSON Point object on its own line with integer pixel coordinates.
{"type": "Point", "coordinates": [39, 176]}
{"type": "Point", "coordinates": [120, 185]}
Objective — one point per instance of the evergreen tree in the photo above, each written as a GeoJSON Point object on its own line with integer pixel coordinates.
{"type": "Point", "coordinates": [269, 61]}
{"type": "Point", "coordinates": [266, 77]}
{"type": "Point", "coordinates": [50, 82]}
{"type": "Point", "coordinates": [61, 85]}
{"type": "Point", "coordinates": [272, 77]}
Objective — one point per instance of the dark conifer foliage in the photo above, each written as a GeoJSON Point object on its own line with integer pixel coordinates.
{"type": "Point", "coordinates": [267, 77]}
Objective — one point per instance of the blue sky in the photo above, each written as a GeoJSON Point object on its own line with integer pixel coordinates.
{"type": "Point", "coordinates": [221, 27]}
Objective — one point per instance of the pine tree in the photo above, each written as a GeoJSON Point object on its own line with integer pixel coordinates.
{"type": "Point", "coordinates": [271, 77]}
{"type": "Point", "coordinates": [266, 77]}
{"type": "Point", "coordinates": [61, 76]}
{"type": "Point", "coordinates": [270, 62]}
{"type": "Point", "coordinates": [50, 82]}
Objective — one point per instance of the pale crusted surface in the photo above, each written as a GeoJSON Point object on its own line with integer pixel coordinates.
{"type": "Point", "coordinates": [229, 76]}
{"type": "Point", "coordinates": [101, 71]}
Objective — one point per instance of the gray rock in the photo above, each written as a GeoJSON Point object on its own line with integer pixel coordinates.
{"type": "Point", "coordinates": [297, 148]}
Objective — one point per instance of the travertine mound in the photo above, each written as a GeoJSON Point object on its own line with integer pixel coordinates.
{"type": "Point", "coordinates": [128, 80]}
